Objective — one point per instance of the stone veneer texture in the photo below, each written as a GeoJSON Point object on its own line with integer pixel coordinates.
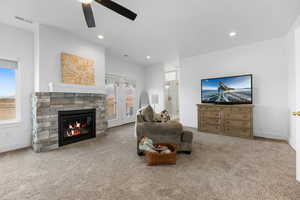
{"type": "Point", "coordinates": [45, 107]}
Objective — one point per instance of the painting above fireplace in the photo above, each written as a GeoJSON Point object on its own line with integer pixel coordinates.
{"type": "Point", "coordinates": [77, 70]}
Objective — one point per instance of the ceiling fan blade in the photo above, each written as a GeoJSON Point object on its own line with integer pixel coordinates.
{"type": "Point", "coordinates": [88, 14]}
{"type": "Point", "coordinates": [118, 9]}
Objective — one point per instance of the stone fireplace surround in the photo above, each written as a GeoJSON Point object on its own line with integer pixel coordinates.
{"type": "Point", "coordinates": [45, 107]}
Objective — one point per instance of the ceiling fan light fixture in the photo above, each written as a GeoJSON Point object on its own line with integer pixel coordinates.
{"type": "Point", "coordinates": [88, 10]}
{"type": "Point", "coordinates": [86, 1]}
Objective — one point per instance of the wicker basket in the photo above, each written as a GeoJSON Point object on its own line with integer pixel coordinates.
{"type": "Point", "coordinates": [155, 158]}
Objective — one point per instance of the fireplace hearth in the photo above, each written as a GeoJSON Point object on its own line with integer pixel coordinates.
{"type": "Point", "coordinates": [76, 125]}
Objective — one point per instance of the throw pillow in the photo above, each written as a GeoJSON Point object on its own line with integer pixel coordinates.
{"type": "Point", "coordinates": [165, 116]}
{"type": "Point", "coordinates": [148, 114]}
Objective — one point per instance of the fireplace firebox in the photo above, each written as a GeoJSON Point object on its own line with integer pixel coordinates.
{"type": "Point", "coordinates": [77, 125]}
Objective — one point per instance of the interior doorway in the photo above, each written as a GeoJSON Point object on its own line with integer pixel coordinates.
{"type": "Point", "coordinates": [172, 94]}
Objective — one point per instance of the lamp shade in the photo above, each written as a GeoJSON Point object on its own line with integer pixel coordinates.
{"type": "Point", "coordinates": [154, 99]}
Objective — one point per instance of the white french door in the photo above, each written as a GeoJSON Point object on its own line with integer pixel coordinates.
{"type": "Point", "coordinates": [121, 100]}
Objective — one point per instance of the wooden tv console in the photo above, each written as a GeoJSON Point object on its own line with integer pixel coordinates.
{"type": "Point", "coordinates": [231, 120]}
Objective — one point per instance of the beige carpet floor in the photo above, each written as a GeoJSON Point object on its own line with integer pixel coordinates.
{"type": "Point", "coordinates": [220, 168]}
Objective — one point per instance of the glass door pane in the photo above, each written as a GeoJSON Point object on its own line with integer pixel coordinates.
{"type": "Point", "coordinates": [172, 99]}
{"type": "Point", "coordinates": [111, 101]}
{"type": "Point", "coordinates": [129, 97]}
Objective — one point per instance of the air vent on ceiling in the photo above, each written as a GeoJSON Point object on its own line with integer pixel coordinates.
{"type": "Point", "coordinates": [23, 20]}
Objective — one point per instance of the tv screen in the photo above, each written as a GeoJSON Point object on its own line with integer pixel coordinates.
{"type": "Point", "coordinates": [227, 90]}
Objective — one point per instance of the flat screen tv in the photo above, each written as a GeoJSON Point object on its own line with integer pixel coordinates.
{"type": "Point", "coordinates": [227, 90]}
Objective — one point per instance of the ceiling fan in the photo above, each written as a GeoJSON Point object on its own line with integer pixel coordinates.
{"type": "Point", "coordinates": [88, 11]}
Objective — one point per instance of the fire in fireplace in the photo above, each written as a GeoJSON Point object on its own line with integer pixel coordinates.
{"type": "Point", "coordinates": [74, 126]}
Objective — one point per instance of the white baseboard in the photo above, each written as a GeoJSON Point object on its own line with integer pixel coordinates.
{"type": "Point", "coordinates": [270, 135]}
{"type": "Point", "coordinates": [292, 144]}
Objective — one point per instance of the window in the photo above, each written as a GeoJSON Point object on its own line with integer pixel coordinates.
{"type": "Point", "coordinates": [170, 76]}
{"type": "Point", "coordinates": [112, 88]}
{"type": "Point", "coordinates": [8, 72]}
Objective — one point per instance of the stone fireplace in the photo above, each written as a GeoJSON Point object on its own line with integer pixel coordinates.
{"type": "Point", "coordinates": [62, 118]}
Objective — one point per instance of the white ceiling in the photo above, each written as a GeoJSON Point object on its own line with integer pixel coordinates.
{"type": "Point", "coordinates": [164, 29]}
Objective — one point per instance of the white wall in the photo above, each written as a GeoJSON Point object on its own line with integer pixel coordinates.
{"type": "Point", "coordinates": [122, 67]}
{"type": "Point", "coordinates": [52, 42]}
{"type": "Point", "coordinates": [155, 84]}
{"type": "Point", "coordinates": [290, 42]}
{"type": "Point", "coordinates": [267, 62]}
{"type": "Point", "coordinates": [17, 44]}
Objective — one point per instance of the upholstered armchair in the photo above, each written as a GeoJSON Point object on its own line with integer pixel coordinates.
{"type": "Point", "coordinates": [170, 132]}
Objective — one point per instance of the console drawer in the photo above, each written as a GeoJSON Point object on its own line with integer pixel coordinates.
{"type": "Point", "coordinates": [213, 121]}
{"type": "Point", "coordinates": [210, 128]}
{"type": "Point", "coordinates": [210, 114]}
{"type": "Point", "coordinates": [238, 116]}
{"type": "Point", "coordinates": [238, 123]}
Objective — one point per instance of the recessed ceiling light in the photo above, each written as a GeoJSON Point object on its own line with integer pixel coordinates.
{"type": "Point", "coordinates": [232, 34]}
{"type": "Point", "coordinates": [148, 57]}
{"type": "Point", "coordinates": [101, 37]}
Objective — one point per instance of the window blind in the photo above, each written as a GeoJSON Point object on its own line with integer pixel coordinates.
{"type": "Point", "coordinates": [8, 64]}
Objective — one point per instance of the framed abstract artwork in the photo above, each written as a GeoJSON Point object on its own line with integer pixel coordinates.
{"type": "Point", "coordinates": [77, 70]}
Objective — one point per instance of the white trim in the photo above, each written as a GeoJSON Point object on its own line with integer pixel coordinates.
{"type": "Point", "coordinates": [270, 135]}
{"type": "Point", "coordinates": [72, 88]}
{"type": "Point", "coordinates": [293, 145]}
{"type": "Point", "coordinates": [18, 91]}
{"type": "Point", "coordinates": [16, 59]}
{"type": "Point", "coordinates": [10, 123]}
{"type": "Point", "coordinates": [36, 57]}
{"type": "Point", "coordinates": [8, 64]}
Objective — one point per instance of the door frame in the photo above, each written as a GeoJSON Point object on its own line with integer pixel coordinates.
{"type": "Point", "coordinates": [297, 90]}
